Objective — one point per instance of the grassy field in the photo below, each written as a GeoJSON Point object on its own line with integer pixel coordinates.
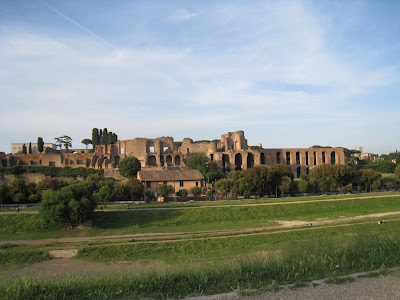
{"type": "Point", "coordinates": [296, 264]}
{"type": "Point", "coordinates": [218, 262]}
{"type": "Point", "coordinates": [30, 226]}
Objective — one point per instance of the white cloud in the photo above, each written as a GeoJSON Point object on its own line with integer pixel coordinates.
{"type": "Point", "coordinates": [181, 14]}
{"type": "Point", "coordinates": [78, 84]}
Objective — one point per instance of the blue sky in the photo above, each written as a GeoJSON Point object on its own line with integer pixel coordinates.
{"type": "Point", "coordinates": [288, 73]}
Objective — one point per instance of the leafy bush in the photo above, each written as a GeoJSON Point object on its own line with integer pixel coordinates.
{"type": "Point", "coordinates": [50, 171]}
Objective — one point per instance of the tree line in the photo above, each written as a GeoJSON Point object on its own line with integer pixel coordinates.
{"type": "Point", "coordinates": [278, 179]}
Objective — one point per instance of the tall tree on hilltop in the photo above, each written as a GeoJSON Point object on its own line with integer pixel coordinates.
{"type": "Point", "coordinates": [101, 137]}
{"type": "Point", "coordinates": [110, 138]}
{"type": "Point", "coordinates": [95, 137]}
{"type": "Point", "coordinates": [30, 148]}
{"type": "Point", "coordinates": [40, 144]}
{"type": "Point", "coordinates": [105, 140]}
{"type": "Point", "coordinates": [23, 149]}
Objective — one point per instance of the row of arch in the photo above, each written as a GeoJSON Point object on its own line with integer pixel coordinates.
{"type": "Point", "coordinates": [238, 159]}
{"type": "Point", "coordinates": [164, 159]}
{"type": "Point", "coordinates": [306, 162]}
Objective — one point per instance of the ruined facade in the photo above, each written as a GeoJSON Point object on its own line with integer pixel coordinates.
{"type": "Point", "coordinates": [230, 153]}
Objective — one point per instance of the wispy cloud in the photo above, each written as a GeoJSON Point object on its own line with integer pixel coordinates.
{"type": "Point", "coordinates": [181, 14]}
{"type": "Point", "coordinates": [78, 25]}
{"type": "Point", "coordinates": [262, 68]}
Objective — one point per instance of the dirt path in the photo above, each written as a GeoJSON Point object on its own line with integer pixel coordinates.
{"type": "Point", "coordinates": [187, 236]}
{"type": "Point", "coordinates": [227, 205]}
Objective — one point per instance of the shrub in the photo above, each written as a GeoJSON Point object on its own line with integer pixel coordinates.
{"type": "Point", "coordinates": [150, 196]}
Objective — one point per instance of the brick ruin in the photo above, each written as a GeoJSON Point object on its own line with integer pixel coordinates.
{"type": "Point", "coordinates": [230, 153]}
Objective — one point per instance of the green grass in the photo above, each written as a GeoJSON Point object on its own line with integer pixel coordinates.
{"type": "Point", "coordinates": [303, 262]}
{"type": "Point", "coordinates": [247, 201]}
{"type": "Point", "coordinates": [30, 226]}
{"type": "Point", "coordinates": [207, 249]}
{"type": "Point", "coordinates": [15, 258]}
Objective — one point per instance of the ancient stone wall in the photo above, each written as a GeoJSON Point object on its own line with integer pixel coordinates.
{"type": "Point", "coordinates": [230, 153]}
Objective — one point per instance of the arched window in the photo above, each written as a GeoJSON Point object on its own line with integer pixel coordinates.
{"type": "Point", "coordinates": [151, 161]}
{"type": "Point", "coordinates": [278, 157]}
{"type": "Point", "coordinates": [250, 160]}
{"type": "Point", "coordinates": [333, 158]}
{"type": "Point", "coordinates": [262, 158]}
{"type": "Point", "coordinates": [238, 162]}
{"type": "Point", "coordinates": [288, 158]}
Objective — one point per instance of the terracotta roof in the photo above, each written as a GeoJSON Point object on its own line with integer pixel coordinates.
{"type": "Point", "coordinates": [170, 175]}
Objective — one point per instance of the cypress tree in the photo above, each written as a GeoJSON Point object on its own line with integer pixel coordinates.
{"type": "Point", "coordinates": [105, 137]}
{"type": "Point", "coordinates": [40, 144]}
{"type": "Point", "coordinates": [30, 148]}
{"type": "Point", "coordinates": [95, 137]}
{"type": "Point", "coordinates": [101, 137]}
{"type": "Point", "coordinates": [110, 138]}
{"type": "Point", "coordinates": [23, 149]}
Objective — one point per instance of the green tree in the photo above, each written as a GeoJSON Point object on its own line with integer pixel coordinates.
{"type": "Point", "coordinates": [105, 195]}
{"type": "Point", "coordinates": [4, 194]}
{"type": "Point", "coordinates": [213, 172]}
{"type": "Point", "coordinates": [166, 190]}
{"type": "Point", "coordinates": [277, 172]}
{"type": "Point", "coordinates": [129, 166]}
{"type": "Point", "coordinates": [71, 205]}
{"type": "Point", "coordinates": [50, 184]}
{"type": "Point", "coordinates": [18, 186]}
{"type": "Point", "coordinates": [86, 142]}
{"type": "Point", "coordinates": [368, 176]}
{"type": "Point", "coordinates": [24, 151]}
{"type": "Point", "coordinates": [284, 186]}
{"type": "Point", "coordinates": [199, 162]}
{"type": "Point", "coordinates": [65, 141]}
{"type": "Point", "coordinates": [385, 166]}
{"type": "Point", "coordinates": [349, 187]}
{"type": "Point", "coordinates": [223, 186]}
{"type": "Point", "coordinates": [389, 185]}
{"type": "Point", "coordinates": [105, 137]}
{"type": "Point", "coordinates": [376, 184]}
{"type": "Point", "coordinates": [397, 171]}
{"type": "Point", "coordinates": [302, 186]}
{"type": "Point", "coordinates": [40, 144]}
{"type": "Point", "coordinates": [150, 196]}
{"type": "Point", "coordinates": [101, 136]}
{"type": "Point", "coordinates": [121, 191]}
{"type": "Point", "coordinates": [182, 194]}
{"type": "Point", "coordinates": [95, 137]}
{"type": "Point", "coordinates": [196, 191]}
{"type": "Point", "coordinates": [135, 189]}
{"type": "Point", "coordinates": [30, 148]}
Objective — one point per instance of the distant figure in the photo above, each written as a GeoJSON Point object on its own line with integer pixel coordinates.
{"type": "Point", "coordinates": [17, 210]}
{"type": "Point", "coordinates": [128, 206]}
{"type": "Point", "coordinates": [381, 222]}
